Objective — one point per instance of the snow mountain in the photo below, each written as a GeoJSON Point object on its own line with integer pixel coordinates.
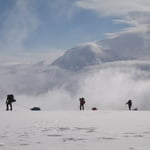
{"type": "Point", "coordinates": [84, 55]}
{"type": "Point", "coordinates": [120, 48]}
{"type": "Point", "coordinates": [129, 46]}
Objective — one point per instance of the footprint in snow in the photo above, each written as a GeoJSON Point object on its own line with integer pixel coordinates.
{"type": "Point", "coordinates": [54, 135]}
{"type": "Point", "coordinates": [3, 136]}
{"type": "Point", "coordinates": [2, 144]}
{"type": "Point", "coordinates": [88, 130]}
{"type": "Point", "coordinates": [131, 148]}
{"type": "Point", "coordinates": [24, 144]}
{"type": "Point", "coordinates": [73, 139]}
{"type": "Point", "coordinates": [132, 134]}
{"type": "Point", "coordinates": [138, 135]}
{"type": "Point", "coordinates": [107, 138]}
{"type": "Point", "coordinates": [64, 129]}
{"type": "Point", "coordinates": [147, 132]}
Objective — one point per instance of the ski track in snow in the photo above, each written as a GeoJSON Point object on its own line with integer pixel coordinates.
{"type": "Point", "coordinates": [75, 130]}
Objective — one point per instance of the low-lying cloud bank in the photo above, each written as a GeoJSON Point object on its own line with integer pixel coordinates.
{"type": "Point", "coordinates": [110, 86]}
{"type": "Point", "coordinates": [106, 86]}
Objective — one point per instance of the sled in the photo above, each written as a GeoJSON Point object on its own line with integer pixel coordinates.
{"type": "Point", "coordinates": [35, 109]}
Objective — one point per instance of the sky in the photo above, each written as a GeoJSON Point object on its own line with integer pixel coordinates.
{"type": "Point", "coordinates": [33, 30]}
{"type": "Point", "coordinates": [37, 27]}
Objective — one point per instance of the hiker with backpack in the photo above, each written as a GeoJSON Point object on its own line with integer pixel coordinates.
{"type": "Point", "coordinates": [82, 103]}
{"type": "Point", "coordinates": [129, 103]}
{"type": "Point", "coordinates": [10, 99]}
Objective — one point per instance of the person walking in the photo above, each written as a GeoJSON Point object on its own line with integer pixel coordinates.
{"type": "Point", "coordinates": [10, 99]}
{"type": "Point", "coordinates": [129, 103]}
{"type": "Point", "coordinates": [82, 103]}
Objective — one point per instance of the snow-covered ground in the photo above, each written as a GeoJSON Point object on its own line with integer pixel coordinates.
{"type": "Point", "coordinates": [74, 130]}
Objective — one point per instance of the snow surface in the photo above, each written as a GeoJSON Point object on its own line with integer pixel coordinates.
{"type": "Point", "coordinates": [75, 130]}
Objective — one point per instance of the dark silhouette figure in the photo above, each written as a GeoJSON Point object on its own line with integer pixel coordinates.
{"type": "Point", "coordinates": [82, 103]}
{"type": "Point", "coordinates": [10, 99]}
{"type": "Point", "coordinates": [129, 103]}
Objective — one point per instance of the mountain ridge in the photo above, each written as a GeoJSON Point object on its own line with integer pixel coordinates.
{"type": "Point", "coordinates": [123, 47]}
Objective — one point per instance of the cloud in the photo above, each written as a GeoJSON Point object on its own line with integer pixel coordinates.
{"type": "Point", "coordinates": [115, 7]}
{"type": "Point", "coordinates": [52, 100]}
{"type": "Point", "coordinates": [106, 86]}
{"type": "Point", "coordinates": [109, 86]}
{"type": "Point", "coordinates": [134, 13]}
{"type": "Point", "coordinates": [64, 8]}
{"type": "Point", "coordinates": [17, 26]}
{"type": "Point", "coordinates": [47, 57]}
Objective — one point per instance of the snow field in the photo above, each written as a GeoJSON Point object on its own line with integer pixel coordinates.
{"type": "Point", "coordinates": [65, 130]}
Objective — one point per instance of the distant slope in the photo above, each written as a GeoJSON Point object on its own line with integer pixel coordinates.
{"type": "Point", "coordinates": [84, 55]}
{"type": "Point", "coordinates": [129, 46]}
{"type": "Point", "coordinates": [122, 47]}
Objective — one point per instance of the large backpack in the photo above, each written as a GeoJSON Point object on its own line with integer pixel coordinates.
{"type": "Point", "coordinates": [11, 97]}
{"type": "Point", "coordinates": [82, 101]}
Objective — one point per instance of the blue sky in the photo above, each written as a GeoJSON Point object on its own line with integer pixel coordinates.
{"type": "Point", "coordinates": [41, 26]}
{"type": "Point", "coordinates": [55, 28]}
{"type": "Point", "coordinates": [61, 32]}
